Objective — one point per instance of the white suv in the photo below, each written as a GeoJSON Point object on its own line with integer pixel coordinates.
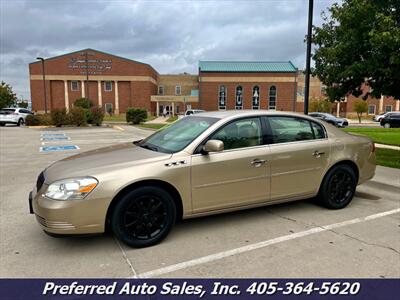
{"type": "Point", "coordinates": [13, 116]}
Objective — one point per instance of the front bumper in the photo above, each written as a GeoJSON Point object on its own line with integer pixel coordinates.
{"type": "Point", "coordinates": [68, 217]}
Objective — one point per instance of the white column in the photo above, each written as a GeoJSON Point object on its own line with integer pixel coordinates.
{"type": "Point", "coordinates": [397, 101]}
{"type": "Point", "coordinates": [338, 109]}
{"type": "Point", "coordinates": [380, 105]}
{"type": "Point", "coordinates": [66, 97]}
{"type": "Point", "coordinates": [83, 88]}
{"type": "Point", "coordinates": [99, 93]}
{"type": "Point", "coordinates": [158, 109]}
{"type": "Point", "coordinates": [173, 108]}
{"type": "Point", "coordinates": [116, 111]}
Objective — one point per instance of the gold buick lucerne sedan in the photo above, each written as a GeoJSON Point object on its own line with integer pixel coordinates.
{"type": "Point", "coordinates": [204, 164]}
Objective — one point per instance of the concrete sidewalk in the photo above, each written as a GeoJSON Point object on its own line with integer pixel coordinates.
{"type": "Point", "coordinates": [387, 147]}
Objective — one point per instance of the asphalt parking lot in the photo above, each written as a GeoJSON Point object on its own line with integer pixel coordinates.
{"type": "Point", "coordinates": [298, 239]}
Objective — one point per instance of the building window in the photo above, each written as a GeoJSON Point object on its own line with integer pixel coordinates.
{"type": "Point", "coordinates": [222, 97]}
{"type": "Point", "coordinates": [177, 109]}
{"type": "Point", "coordinates": [323, 90]}
{"type": "Point", "coordinates": [161, 90]}
{"type": "Point", "coordinates": [74, 86]}
{"type": "Point", "coordinates": [371, 109]}
{"type": "Point", "coordinates": [178, 90]}
{"type": "Point", "coordinates": [388, 108]}
{"type": "Point", "coordinates": [239, 98]}
{"type": "Point", "coordinates": [107, 86]}
{"type": "Point", "coordinates": [272, 98]}
{"type": "Point", "coordinates": [256, 97]}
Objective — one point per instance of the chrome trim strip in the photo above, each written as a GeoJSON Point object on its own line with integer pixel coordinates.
{"type": "Point", "coordinates": [230, 181]}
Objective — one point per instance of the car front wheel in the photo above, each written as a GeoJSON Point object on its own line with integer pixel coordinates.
{"type": "Point", "coordinates": [387, 125]}
{"type": "Point", "coordinates": [338, 187]}
{"type": "Point", "coordinates": [20, 122]}
{"type": "Point", "coordinates": [143, 217]}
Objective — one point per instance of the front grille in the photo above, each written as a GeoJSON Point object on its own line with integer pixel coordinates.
{"type": "Point", "coordinates": [40, 181]}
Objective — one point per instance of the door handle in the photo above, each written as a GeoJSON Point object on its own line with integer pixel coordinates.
{"type": "Point", "coordinates": [317, 153]}
{"type": "Point", "coordinates": [258, 162]}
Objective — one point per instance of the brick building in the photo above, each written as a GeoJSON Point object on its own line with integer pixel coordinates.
{"type": "Point", "coordinates": [116, 83]}
{"type": "Point", "coordinates": [346, 107]}
{"type": "Point", "coordinates": [110, 81]}
{"type": "Point", "coordinates": [247, 85]}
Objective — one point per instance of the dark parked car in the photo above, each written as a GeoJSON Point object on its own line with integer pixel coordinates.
{"type": "Point", "coordinates": [391, 120]}
{"type": "Point", "coordinates": [331, 119]}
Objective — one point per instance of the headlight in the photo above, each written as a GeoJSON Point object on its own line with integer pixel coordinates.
{"type": "Point", "coordinates": [71, 189]}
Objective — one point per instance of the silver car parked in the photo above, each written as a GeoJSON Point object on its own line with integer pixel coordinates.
{"type": "Point", "coordinates": [14, 116]}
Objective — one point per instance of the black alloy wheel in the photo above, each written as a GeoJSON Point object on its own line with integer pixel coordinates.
{"type": "Point", "coordinates": [20, 122]}
{"type": "Point", "coordinates": [143, 217]}
{"type": "Point", "coordinates": [338, 187]}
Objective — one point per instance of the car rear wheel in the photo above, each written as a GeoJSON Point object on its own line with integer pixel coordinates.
{"type": "Point", "coordinates": [2, 124]}
{"type": "Point", "coordinates": [387, 125]}
{"type": "Point", "coordinates": [338, 187]}
{"type": "Point", "coordinates": [143, 217]}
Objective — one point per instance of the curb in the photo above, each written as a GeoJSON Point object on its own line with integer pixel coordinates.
{"type": "Point", "coordinates": [117, 127]}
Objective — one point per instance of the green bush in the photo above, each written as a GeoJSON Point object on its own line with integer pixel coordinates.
{"type": "Point", "coordinates": [136, 115]}
{"type": "Point", "coordinates": [96, 116]}
{"type": "Point", "coordinates": [83, 102]}
{"type": "Point", "coordinates": [78, 116]}
{"type": "Point", "coordinates": [38, 120]}
{"type": "Point", "coordinates": [59, 117]}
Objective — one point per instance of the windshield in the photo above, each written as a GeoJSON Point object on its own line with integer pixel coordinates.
{"type": "Point", "coordinates": [177, 136]}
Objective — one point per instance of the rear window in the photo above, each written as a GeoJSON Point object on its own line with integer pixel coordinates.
{"type": "Point", "coordinates": [292, 129]}
{"type": "Point", "coordinates": [6, 111]}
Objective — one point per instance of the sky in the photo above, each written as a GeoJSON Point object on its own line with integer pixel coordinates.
{"type": "Point", "coordinates": [172, 36]}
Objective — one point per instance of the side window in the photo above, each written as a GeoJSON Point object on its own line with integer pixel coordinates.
{"type": "Point", "coordinates": [318, 131]}
{"type": "Point", "coordinates": [240, 134]}
{"type": "Point", "coordinates": [290, 129]}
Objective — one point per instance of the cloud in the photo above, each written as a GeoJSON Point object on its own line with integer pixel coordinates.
{"type": "Point", "coordinates": [170, 35]}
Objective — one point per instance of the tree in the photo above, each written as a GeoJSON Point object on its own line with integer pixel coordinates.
{"type": "Point", "coordinates": [320, 105]}
{"type": "Point", "coordinates": [23, 104]}
{"type": "Point", "coordinates": [360, 107]}
{"type": "Point", "coordinates": [7, 97]}
{"type": "Point", "coordinates": [358, 45]}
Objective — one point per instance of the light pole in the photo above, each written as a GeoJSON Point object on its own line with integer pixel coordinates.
{"type": "Point", "coordinates": [44, 83]}
{"type": "Point", "coordinates": [308, 57]}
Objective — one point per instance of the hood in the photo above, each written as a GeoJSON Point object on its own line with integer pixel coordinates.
{"type": "Point", "coordinates": [100, 160]}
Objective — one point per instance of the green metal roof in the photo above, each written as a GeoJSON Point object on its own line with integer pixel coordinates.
{"type": "Point", "coordinates": [246, 66]}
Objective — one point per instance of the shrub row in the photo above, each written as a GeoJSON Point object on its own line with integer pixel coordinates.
{"type": "Point", "coordinates": [77, 116]}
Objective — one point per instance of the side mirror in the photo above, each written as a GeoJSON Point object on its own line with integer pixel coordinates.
{"type": "Point", "coordinates": [213, 146]}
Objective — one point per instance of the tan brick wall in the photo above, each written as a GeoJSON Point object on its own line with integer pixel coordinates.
{"type": "Point", "coordinates": [187, 82]}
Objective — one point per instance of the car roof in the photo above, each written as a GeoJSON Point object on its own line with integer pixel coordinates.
{"type": "Point", "coordinates": [225, 114]}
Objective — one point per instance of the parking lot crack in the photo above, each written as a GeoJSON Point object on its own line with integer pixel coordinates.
{"type": "Point", "coordinates": [363, 242]}
{"type": "Point", "coordinates": [127, 260]}
{"type": "Point", "coordinates": [289, 219]}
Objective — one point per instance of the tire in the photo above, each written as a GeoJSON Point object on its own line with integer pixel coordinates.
{"type": "Point", "coordinates": [338, 187]}
{"type": "Point", "coordinates": [143, 217]}
{"type": "Point", "coordinates": [20, 122]}
{"type": "Point", "coordinates": [387, 125]}
{"type": "Point", "coordinates": [2, 124]}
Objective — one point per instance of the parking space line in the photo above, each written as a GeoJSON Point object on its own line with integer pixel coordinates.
{"type": "Point", "coordinates": [251, 247]}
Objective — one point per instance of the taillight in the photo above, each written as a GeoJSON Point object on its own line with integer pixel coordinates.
{"type": "Point", "coordinates": [373, 147]}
